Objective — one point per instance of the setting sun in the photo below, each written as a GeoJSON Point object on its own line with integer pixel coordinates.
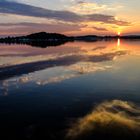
{"type": "Point", "coordinates": [119, 33]}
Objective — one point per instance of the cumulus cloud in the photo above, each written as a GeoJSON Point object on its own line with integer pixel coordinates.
{"type": "Point", "coordinates": [8, 7]}
{"type": "Point", "coordinates": [108, 120]}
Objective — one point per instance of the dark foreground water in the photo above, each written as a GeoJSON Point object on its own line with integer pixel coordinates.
{"type": "Point", "coordinates": [78, 90]}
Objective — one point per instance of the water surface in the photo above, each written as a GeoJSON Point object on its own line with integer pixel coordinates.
{"type": "Point", "coordinates": [45, 91]}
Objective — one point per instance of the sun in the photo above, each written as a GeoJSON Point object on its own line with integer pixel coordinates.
{"type": "Point", "coordinates": [119, 33]}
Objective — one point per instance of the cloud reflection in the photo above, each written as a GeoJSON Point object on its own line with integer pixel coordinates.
{"type": "Point", "coordinates": [55, 79]}
{"type": "Point", "coordinates": [109, 119]}
{"type": "Point", "coordinates": [87, 67]}
{"type": "Point", "coordinates": [25, 79]}
{"type": "Point", "coordinates": [26, 68]}
{"type": "Point", "coordinates": [4, 88]}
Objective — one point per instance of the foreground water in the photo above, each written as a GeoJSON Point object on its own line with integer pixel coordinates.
{"type": "Point", "coordinates": [78, 90]}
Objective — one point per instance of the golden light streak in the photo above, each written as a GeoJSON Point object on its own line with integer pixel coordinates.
{"type": "Point", "coordinates": [118, 42]}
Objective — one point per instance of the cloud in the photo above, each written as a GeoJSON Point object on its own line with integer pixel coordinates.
{"type": "Point", "coordinates": [8, 7]}
{"type": "Point", "coordinates": [83, 7]}
{"type": "Point", "coordinates": [28, 10]}
{"type": "Point", "coordinates": [109, 19]}
{"type": "Point", "coordinates": [32, 64]}
{"type": "Point", "coordinates": [78, 69]}
{"type": "Point", "coordinates": [74, 71]}
{"type": "Point", "coordinates": [100, 29]}
{"type": "Point", "coordinates": [56, 79]}
{"type": "Point", "coordinates": [24, 79]}
{"type": "Point", "coordinates": [108, 120]}
{"type": "Point", "coordinates": [25, 27]}
{"type": "Point", "coordinates": [40, 82]}
{"type": "Point", "coordinates": [87, 67]}
{"type": "Point", "coordinates": [106, 56]}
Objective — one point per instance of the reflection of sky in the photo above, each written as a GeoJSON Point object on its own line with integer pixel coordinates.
{"type": "Point", "coordinates": [18, 54]}
{"type": "Point", "coordinates": [72, 60]}
{"type": "Point", "coordinates": [67, 83]}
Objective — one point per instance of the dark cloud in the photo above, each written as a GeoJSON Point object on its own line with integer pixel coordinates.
{"type": "Point", "coordinates": [107, 19]}
{"type": "Point", "coordinates": [9, 7]}
{"type": "Point", "coordinates": [28, 10]}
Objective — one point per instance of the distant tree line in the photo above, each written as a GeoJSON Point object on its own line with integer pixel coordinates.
{"type": "Point", "coordinates": [43, 39]}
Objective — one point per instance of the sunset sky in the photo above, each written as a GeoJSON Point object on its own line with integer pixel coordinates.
{"type": "Point", "coordinates": [70, 17]}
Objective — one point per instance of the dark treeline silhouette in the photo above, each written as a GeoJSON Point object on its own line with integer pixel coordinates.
{"type": "Point", "coordinates": [44, 44]}
{"type": "Point", "coordinates": [43, 39]}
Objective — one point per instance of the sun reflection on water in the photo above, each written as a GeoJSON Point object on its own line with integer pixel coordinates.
{"type": "Point", "coordinates": [118, 44]}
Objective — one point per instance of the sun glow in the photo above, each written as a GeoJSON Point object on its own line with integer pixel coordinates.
{"type": "Point", "coordinates": [119, 33]}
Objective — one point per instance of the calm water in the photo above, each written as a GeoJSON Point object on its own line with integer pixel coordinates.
{"type": "Point", "coordinates": [73, 91]}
